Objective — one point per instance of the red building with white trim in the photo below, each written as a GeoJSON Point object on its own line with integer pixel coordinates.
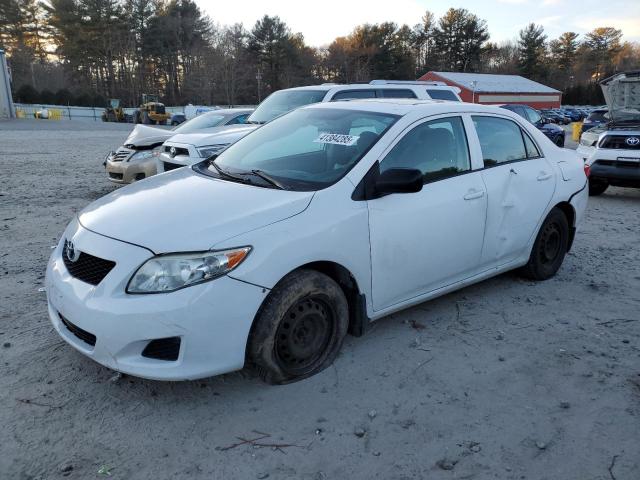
{"type": "Point", "coordinates": [492, 89]}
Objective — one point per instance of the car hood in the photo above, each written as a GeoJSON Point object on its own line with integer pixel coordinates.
{"type": "Point", "coordinates": [144, 136]}
{"type": "Point", "coordinates": [185, 211]}
{"type": "Point", "coordinates": [622, 94]}
{"type": "Point", "coordinates": [230, 134]}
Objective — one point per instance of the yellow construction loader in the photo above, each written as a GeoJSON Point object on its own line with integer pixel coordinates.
{"type": "Point", "coordinates": [151, 111]}
{"type": "Point", "coordinates": [114, 112]}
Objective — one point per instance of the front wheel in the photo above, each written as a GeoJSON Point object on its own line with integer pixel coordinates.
{"type": "Point", "coordinates": [300, 327]}
{"type": "Point", "coordinates": [549, 248]}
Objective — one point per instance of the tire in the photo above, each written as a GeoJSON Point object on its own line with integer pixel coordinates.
{"type": "Point", "coordinates": [136, 117]}
{"type": "Point", "coordinates": [597, 187]}
{"type": "Point", "coordinates": [550, 247]}
{"type": "Point", "coordinates": [145, 118]}
{"type": "Point", "coordinates": [560, 141]}
{"type": "Point", "coordinates": [299, 329]}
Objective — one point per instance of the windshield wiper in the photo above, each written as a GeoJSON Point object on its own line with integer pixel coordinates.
{"type": "Point", "coordinates": [268, 178]}
{"type": "Point", "coordinates": [224, 173]}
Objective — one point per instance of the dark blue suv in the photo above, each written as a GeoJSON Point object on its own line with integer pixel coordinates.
{"type": "Point", "coordinates": [554, 132]}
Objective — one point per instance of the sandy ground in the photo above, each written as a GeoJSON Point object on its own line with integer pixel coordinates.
{"type": "Point", "coordinates": [508, 379]}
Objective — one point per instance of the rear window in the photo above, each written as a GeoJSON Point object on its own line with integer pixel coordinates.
{"type": "Point", "coordinates": [437, 94]}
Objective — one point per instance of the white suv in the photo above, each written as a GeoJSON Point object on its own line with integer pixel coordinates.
{"type": "Point", "coordinates": [189, 149]}
{"type": "Point", "coordinates": [612, 151]}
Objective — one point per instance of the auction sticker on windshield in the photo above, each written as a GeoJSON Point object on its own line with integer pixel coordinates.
{"type": "Point", "coordinates": [337, 139]}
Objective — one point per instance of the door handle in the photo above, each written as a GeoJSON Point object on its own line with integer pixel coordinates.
{"type": "Point", "coordinates": [544, 176]}
{"type": "Point", "coordinates": [474, 194]}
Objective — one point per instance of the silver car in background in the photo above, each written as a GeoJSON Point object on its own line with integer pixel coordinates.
{"type": "Point", "coordinates": [135, 159]}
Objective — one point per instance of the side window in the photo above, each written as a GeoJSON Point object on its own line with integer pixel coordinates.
{"type": "Point", "coordinates": [532, 150]}
{"type": "Point", "coordinates": [239, 119]}
{"type": "Point", "coordinates": [396, 93]}
{"type": "Point", "coordinates": [437, 94]}
{"type": "Point", "coordinates": [353, 94]}
{"type": "Point", "coordinates": [533, 116]}
{"type": "Point", "coordinates": [500, 139]}
{"type": "Point", "coordinates": [437, 148]}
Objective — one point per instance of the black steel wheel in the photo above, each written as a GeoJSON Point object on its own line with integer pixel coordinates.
{"type": "Point", "coordinates": [304, 334]}
{"type": "Point", "coordinates": [549, 248]}
{"type": "Point", "coordinates": [300, 327]}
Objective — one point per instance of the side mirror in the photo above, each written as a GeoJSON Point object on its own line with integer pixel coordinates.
{"type": "Point", "coordinates": [398, 180]}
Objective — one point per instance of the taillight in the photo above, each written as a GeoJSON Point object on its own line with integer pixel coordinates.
{"type": "Point", "coordinates": [587, 170]}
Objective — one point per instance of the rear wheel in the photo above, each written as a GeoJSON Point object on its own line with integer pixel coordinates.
{"type": "Point", "coordinates": [597, 187]}
{"type": "Point", "coordinates": [549, 248]}
{"type": "Point", "coordinates": [300, 327]}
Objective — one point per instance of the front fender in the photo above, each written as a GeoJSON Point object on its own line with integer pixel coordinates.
{"type": "Point", "coordinates": [333, 228]}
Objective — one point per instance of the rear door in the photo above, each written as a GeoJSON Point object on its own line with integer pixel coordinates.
{"type": "Point", "coordinates": [520, 183]}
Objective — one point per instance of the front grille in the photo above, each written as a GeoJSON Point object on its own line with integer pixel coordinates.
{"type": "Point", "coordinates": [83, 335]}
{"type": "Point", "coordinates": [163, 349]}
{"type": "Point", "coordinates": [619, 142]}
{"type": "Point", "coordinates": [115, 176]}
{"type": "Point", "coordinates": [171, 166]}
{"type": "Point", "coordinates": [87, 268]}
{"type": "Point", "coordinates": [177, 151]}
{"type": "Point", "coordinates": [121, 155]}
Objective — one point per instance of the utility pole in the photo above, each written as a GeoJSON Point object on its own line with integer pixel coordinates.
{"type": "Point", "coordinates": [259, 79]}
{"type": "Point", "coordinates": [473, 91]}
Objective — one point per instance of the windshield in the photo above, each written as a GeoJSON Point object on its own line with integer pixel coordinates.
{"type": "Point", "coordinates": [206, 120]}
{"type": "Point", "coordinates": [306, 149]}
{"type": "Point", "coordinates": [598, 116]}
{"type": "Point", "coordinates": [284, 101]}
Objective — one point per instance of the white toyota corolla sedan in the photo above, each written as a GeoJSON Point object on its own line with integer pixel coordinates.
{"type": "Point", "coordinates": [327, 218]}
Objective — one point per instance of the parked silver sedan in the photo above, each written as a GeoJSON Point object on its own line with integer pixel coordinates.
{"type": "Point", "coordinates": [135, 159]}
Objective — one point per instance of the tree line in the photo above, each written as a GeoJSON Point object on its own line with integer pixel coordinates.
{"type": "Point", "coordinates": [83, 52]}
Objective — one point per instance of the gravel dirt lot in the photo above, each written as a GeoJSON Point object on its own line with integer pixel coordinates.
{"type": "Point", "coordinates": [507, 379]}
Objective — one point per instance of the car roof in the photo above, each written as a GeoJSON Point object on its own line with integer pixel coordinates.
{"type": "Point", "coordinates": [367, 86]}
{"type": "Point", "coordinates": [404, 106]}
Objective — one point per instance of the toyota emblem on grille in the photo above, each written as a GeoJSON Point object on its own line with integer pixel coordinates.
{"type": "Point", "coordinates": [71, 252]}
{"type": "Point", "coordinates": [172, 152]}
{"type": "Point", "coordinates": [632, 141]}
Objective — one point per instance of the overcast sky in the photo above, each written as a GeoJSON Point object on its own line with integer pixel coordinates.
{"type": "Point", "coordinates": [321, 21]}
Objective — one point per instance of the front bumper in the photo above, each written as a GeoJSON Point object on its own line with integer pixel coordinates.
{"type": "Point", "coordinates": [129, 172]}
{"type": "Point", "coordinates": [618, 167]}
{"type": "Point", "coordinates": [211, 319]}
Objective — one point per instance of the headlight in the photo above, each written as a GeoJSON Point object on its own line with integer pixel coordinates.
{"type": "Point", "coordinates": [209, 150]}
{"type": "Point", "coordinates": [143, 155]}
{"type": "Point", "coordinates": [167, 273]}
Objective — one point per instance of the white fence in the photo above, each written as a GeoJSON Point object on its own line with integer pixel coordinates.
{"type": "Point", "coordinates": [61, 112]}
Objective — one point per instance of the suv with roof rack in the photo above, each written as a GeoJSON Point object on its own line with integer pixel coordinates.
{"type": "Point", "coordinates": [182, 150]}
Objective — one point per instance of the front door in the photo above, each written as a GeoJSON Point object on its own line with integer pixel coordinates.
{"type": "Point", "coordinates": [426, 240]}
